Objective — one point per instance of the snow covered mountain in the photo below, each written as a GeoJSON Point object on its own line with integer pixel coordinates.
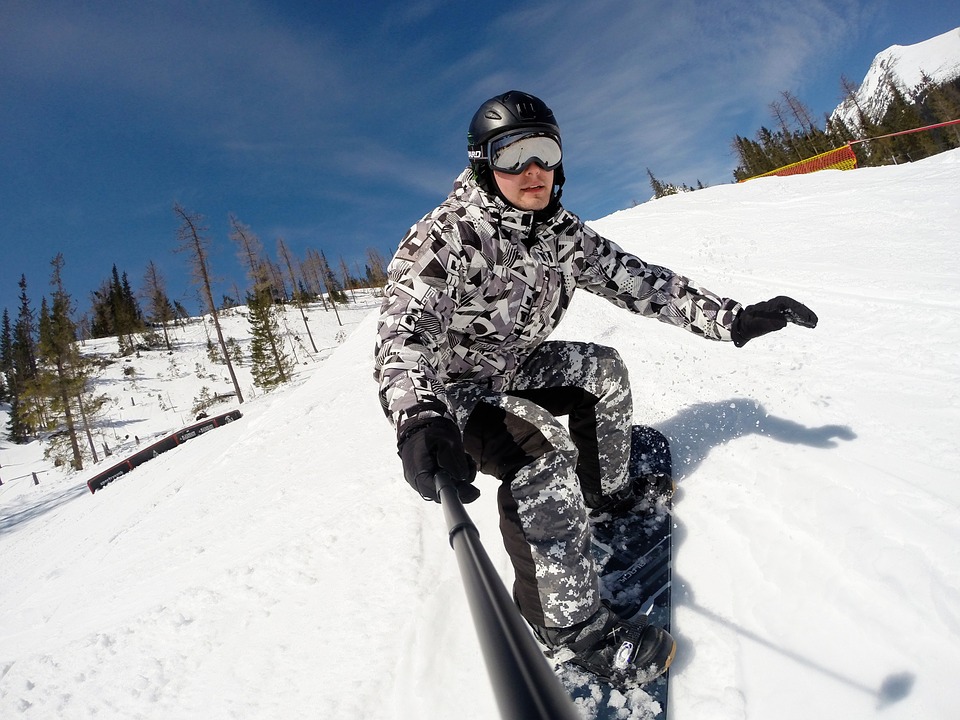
{"type": "Point", "coordinates": [938, 58]}
{"type": "Point", "coordinates": [280, 567]}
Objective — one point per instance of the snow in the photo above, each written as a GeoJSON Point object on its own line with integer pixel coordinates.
{"type": "Point", "coordinates": [938, 58]}
{"type": "Point", "coordinates": [281, 567]}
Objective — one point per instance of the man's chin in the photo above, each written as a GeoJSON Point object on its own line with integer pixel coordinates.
{"type": "Point", "coordinates": [535, 203]}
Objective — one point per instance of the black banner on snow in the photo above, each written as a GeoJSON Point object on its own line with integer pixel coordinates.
{"type": "Point", "coordinates": [160, 446]}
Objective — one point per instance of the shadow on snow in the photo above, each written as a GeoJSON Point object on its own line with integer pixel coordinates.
{"type": "Point", "coordinates": [696, 430]}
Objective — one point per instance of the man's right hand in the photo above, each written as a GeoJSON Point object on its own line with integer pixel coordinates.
{"type": "Point", "coordinates": [431, 446]}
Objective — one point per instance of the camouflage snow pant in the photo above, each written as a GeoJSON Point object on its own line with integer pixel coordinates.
{"type": "Point", "coordinates": [550, 474]}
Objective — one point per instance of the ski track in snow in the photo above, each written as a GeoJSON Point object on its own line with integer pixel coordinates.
{"type": "Point", "coordinates": [280, 566]}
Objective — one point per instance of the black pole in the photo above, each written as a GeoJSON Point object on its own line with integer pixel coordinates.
{"type": "Point", "coordinates": [525, 685]}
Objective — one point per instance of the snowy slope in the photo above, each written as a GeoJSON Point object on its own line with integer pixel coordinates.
{"type": "Point", "coordinates": [280, 567]}
{"type": "Point", "coordinates": [938, 58]}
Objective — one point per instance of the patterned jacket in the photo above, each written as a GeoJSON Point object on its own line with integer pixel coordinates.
{"type": "Point", "coordinates": [477, 285]}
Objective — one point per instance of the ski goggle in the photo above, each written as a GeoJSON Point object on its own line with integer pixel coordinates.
{"type": "Point", "coordinates": [513, 152]}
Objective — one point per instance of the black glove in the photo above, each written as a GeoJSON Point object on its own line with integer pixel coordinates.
{"type": "Point", "coordinates": [764, 317]}
{"type": "Point", "coordinates": [431, 446]}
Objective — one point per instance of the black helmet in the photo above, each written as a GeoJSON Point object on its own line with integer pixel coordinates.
{"type": "Point", "coordinates": [505, 113]}
{"type": "Point", "coordinates": [513, 110]}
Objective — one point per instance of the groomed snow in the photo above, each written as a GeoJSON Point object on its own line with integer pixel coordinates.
{"type": "Point", "coordinates": [280, 567]}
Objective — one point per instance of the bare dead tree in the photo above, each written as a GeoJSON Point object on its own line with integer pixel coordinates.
{"type": "Point", "coordinates": [850, 89]}
{"type": "Point", "coordinates": [777, 112]}
{"type": "Point", "coordinates": [161, 311]}
{"type": "Point", "coordinates": [277, 283]}
{"type": "Point", "coordinates": [322, 271]}
{"type": "Point", "coordinates": [347, 280]}
{"type": "Point", "coordinates": [192, 240]}
{"type": "Point", "coordinates": [250, 253]}
{"type": "Point", "coordinates": [376, 267]}
{"type": "Point", "coordinates": [310, 277]}
{"type": "Point", "coordinates": [804, 119]}
{"type": "Point", "coordinates": [284, 253]}
{"type": "Point", "coordinates": [313, 262]}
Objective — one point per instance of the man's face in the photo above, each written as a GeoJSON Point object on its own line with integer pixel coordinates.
{"type": "Point", "coordinates": [530, 190]}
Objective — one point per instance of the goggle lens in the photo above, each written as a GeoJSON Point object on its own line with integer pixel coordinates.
{"type": "Point", "coordinates": [514, 152]}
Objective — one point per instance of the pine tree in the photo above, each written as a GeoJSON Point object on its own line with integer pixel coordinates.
{"type": "Point", "coordinates": [939, 103]}
{"type": "Point", "coordinates": [658, 188]}
{"type": "Point", "coordinates": [23, 364]}
{"type": "Point", "coordinates": [116, 311]}
{"type": "Point", "coordinates": [57, 338]}
{"type": "Point", "coordinates": [6, 357]}
{"type": "Point", "coordinates": [102, 323]}
{"type": "Point", "coordinates": [905, 114]}
{"type": "Point", "coordinates": [132, 314]}
{"type": "Point", "coordinates": [270, 365]}
{"type": "Point", "coordinates": [182, 314]}
{"type": "Point", "coordinates": [751, 159]}
{"type": "Point", "coordinates": [127, 316]}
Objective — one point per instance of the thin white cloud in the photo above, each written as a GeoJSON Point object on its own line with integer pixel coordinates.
{"type": "Point", "coordinates": [301, 103]}
{"type": "Point", "coordinates": [236, 76]}
{"type": "Point", "coordinates": [637, 83]}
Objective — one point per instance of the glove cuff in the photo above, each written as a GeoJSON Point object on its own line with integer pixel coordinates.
{"type": "Point", "coordinates": [415, 426]}
{"type": "Point", "coordinates": [739, 339]}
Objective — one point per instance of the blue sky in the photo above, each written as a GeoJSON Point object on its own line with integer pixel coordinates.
{"type": "Point", "coordinates": [337, 125]}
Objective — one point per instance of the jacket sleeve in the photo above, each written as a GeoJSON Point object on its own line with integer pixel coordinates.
{"type": "Point", "coordinates": [421, 293]}
{"type": "Point", "coordinates": [651, 290]}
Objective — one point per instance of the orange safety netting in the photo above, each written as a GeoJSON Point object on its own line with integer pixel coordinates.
{"type": "Point", "coordinates": [841, 158]}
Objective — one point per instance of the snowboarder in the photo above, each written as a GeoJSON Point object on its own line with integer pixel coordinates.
{"type": "Point", "coordinates": [469, 379]}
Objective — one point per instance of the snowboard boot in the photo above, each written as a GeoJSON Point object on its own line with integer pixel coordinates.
{"type": "Point", "coordinates": [620, 652]}
{"type": "Point", "coordinates": [618, 504]}
{"type": "Point", "coordinates": [641, 493]}
{"type": "Point", "coordinates": [654, 487]}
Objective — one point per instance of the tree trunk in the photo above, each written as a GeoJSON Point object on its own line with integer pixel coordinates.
{"type": "Point", "coordinates": [189, 235]}
{"type": "Point", "coordinates": [68, 416]}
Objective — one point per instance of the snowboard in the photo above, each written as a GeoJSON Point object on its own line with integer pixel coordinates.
{"type": "Point", "coordinates": [634, 558]}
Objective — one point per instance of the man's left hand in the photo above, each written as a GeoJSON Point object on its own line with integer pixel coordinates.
{"type": "Point", "coordinates": [768, 316]}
